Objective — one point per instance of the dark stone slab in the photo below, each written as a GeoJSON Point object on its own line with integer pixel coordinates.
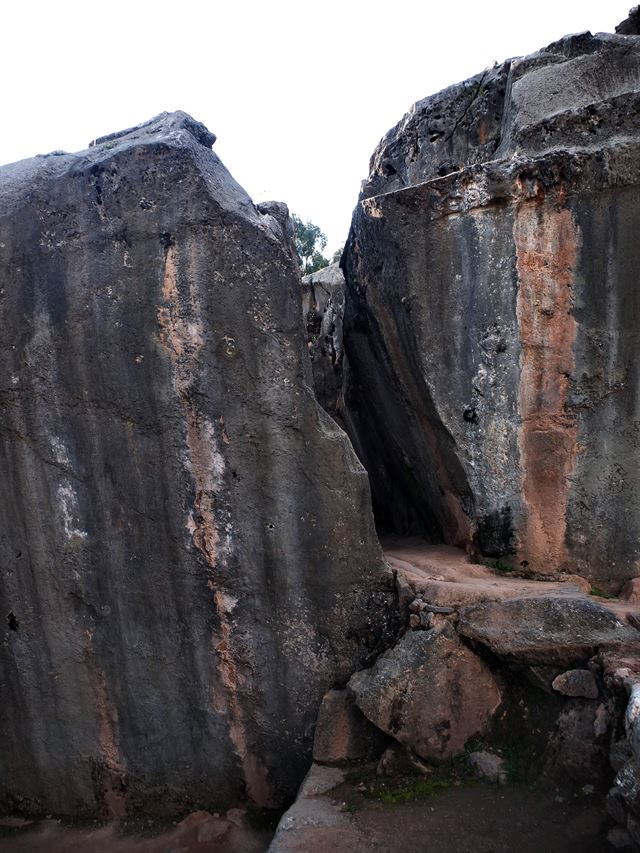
{"type": "Point", "coordinates": [187, 554]}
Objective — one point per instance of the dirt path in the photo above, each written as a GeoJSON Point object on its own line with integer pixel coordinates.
{"type": "Point", "coordinates": [418, 815]}
{"type": "Point", "coordinates": [485, 819]}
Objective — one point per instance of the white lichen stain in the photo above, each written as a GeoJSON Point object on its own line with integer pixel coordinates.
{"type": "Point", "coordinates": [69, 507]}
{"type": "Point", "coordinates": [60, 452]}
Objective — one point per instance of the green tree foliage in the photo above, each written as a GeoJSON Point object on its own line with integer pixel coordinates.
{"type": "Point", "coordinates": [310, 241]}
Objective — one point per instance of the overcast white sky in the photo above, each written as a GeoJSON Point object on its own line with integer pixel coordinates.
{"type": "Point", "coordinates": [298, 93]}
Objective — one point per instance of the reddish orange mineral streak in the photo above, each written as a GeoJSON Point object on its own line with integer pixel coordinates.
{"type": "Point", "coordinates": [547, 241]}
{"type": "Point", "coordinates": [181, 333]}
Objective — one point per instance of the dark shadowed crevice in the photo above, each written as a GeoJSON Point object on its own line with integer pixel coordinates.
{"type": "Point", "coordinates": [418, 485]}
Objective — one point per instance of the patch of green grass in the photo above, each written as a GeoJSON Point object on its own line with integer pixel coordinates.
{"type": "Point", "coordinates": [414, 787]}
{"type": "Point", "coordinates": [499, 566]}
{"type": "Point", "coordinates": [600, 593]}
{"type": "Point", "coordinates": [410, 791]}
{"type": "Point", "coordinates": [350, 808]}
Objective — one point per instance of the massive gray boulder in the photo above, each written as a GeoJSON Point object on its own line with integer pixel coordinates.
{"type": "Point", "coordinates": [187, 553]}
{"type": "Point", "coordinates": [492, 307]}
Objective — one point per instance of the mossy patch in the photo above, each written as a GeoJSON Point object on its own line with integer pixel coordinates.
{"type": "Point", "coordinates": [412, 789]}
{"type": "Point", "coordinates": [600, 593]}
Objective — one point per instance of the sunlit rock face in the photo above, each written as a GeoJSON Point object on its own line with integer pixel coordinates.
{"type": "Point", "coordinates": [491, 317]}
{"type": "Point", "coordinates": [187, 553]}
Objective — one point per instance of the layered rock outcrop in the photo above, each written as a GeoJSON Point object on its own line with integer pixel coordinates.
{"type": "Point", "coordinates": [187, 554]}
{"type": "Point", "coordinates": [491, 313]}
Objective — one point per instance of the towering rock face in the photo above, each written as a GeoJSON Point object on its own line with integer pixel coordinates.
{"type": "Point", "coordinates": [187, 554]}
{"type": "Point", "coordinates": [491, 318]}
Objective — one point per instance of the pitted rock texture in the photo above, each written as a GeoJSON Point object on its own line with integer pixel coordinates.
{"type": "Point", "coordinates": [429, 692]}
{"type": "Point", "coordinates": [491, 314]}
{"type": "Point", "coordinates": [188, 558]}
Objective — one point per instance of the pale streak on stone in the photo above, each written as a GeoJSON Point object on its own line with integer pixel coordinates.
{"type": "Point", "coordinates": [60, 451]}
{"type": "Point", "coordinates": [547, 241]}
{"type": "Point", "coordinates": [68, 505]}
{"type": "Point", "coordinates": [107, 715]}
{"type": "Point", "coordinates": [181, 333]}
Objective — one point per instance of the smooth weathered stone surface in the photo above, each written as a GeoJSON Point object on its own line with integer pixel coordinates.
{"type": "Point", "coordinates": [343, 733]}
{"type": "Point", "coordinates": [429, 692]}
{"type": "Point", "coordinates": [316, 821]}
{"type": "Point", "coordinates": [545, 630]}
{"type": "Point", "coordinates": [188, 559]}
{"type": "Point", "coordinates": [491, 314]}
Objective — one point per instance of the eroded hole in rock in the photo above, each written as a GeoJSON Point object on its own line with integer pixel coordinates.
{"type": "Point", "coordinates": [12, 622]}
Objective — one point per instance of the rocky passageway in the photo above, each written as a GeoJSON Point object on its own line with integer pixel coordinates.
{"type": "Point", "coordinates": [525, 682]}
{"type": "Point", "coordinates": [197, 604]}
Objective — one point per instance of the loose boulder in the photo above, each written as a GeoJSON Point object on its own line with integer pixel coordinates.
{"type": "Point", "coordinates": [429, 692]}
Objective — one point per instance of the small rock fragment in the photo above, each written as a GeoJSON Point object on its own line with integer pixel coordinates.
{"type": "Point", "coordinates": [619, 754]}
{"type": "Point", "coordinates": [579, 683]}
{"type": "Point", "coordinates": [426, 619]}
